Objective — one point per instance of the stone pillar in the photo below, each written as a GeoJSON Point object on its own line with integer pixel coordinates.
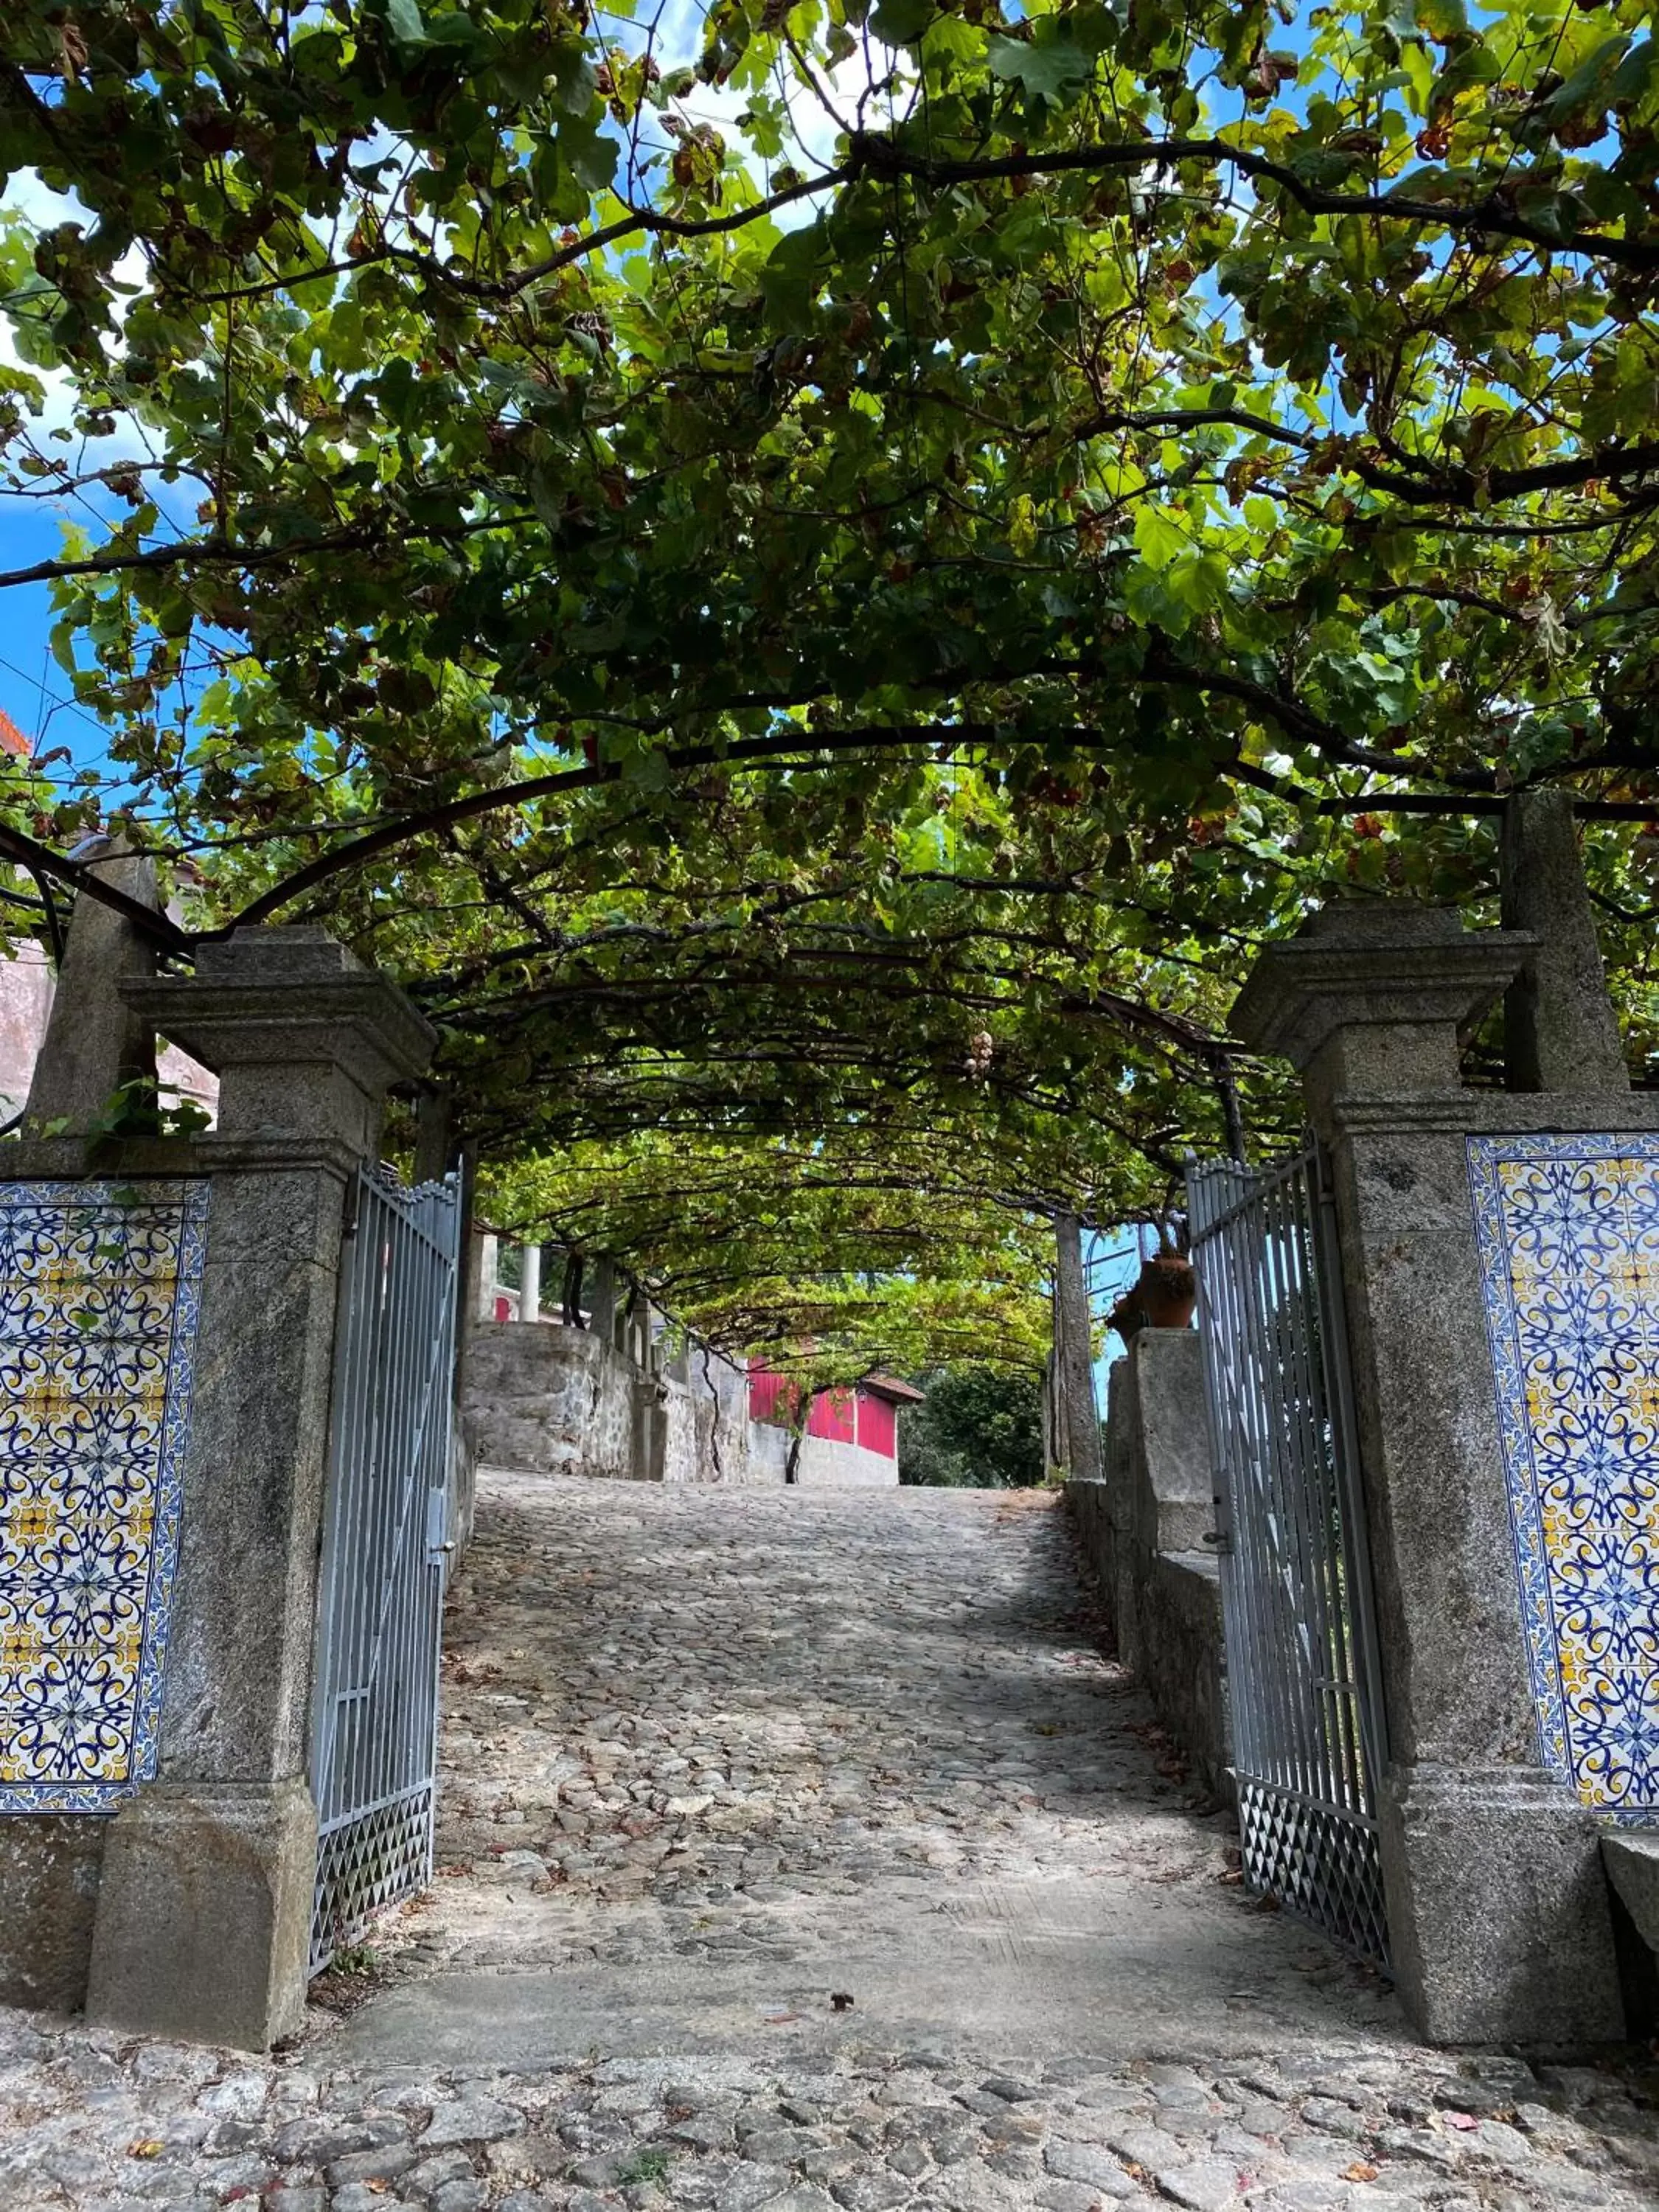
{"type": "Point", "coordinates": [1497, 1903]}
{"type": "Point", "coordinates": [433, 1140]}
{"type": "Point", "coordinates": [530, 1282]}
{"type": "Point", "coordinates": [487, 1248]}
{"type": "Point", "coordinates": [601, 1300]}
{"type": "Point", "coordinates": [94, 1042]}
{"type": "Point", "coordinates": [1074, 1353]}
{"type": "Point", "coordinates": [204, 1910]}
{"type": "Point", "coordinates": [1560, 1033]}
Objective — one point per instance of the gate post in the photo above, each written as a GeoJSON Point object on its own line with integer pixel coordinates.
{"type": "Point", "coordinates": [1077, 1427]}
{"type": "Point", "coordinates": [1496, 1904]}
{"type": "Point", "coordinates": [203, 1912]}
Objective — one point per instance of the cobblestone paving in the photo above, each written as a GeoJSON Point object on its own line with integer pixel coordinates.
{"type": "Point", "coordinates": [714, 1726]}
{"type": "Point", "coordinates": [718, 1716]}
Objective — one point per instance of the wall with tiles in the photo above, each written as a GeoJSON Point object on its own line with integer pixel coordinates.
{"type": "Point", "coordinates": [99, 1287]}
{"type": "Point", "coordinates": [1568, 1229]}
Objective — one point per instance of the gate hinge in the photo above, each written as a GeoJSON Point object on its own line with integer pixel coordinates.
{"type": "Point", "coordinates": [353, 1198]}
{"type": "Point", "coordinates": [1219, 1541]}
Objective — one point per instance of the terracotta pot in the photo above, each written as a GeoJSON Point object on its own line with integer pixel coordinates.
{"type": "Point", "coordinates": [1164, 1296]}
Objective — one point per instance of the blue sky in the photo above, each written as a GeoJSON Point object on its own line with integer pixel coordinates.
{"type": "Point", "coordinates": [30, 680]}
{"type": "Point", "coordinates": [33, 690]}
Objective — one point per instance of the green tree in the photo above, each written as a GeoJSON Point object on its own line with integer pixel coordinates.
{"type": "Point", "coordinates": [980, 1428]}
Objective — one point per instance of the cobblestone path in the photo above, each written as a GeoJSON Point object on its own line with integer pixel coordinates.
{"type": "Point", "coordinates": [711, 1760]}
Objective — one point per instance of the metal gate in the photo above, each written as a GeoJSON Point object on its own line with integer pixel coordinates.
{"type": "Point", "coordinates": [379, 1616]}
{"type": "Point", "coordinates": [1303, 1682]}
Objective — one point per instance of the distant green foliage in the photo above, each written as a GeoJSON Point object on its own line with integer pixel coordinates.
{"type": "Point", "coordinates": [980, 1429]}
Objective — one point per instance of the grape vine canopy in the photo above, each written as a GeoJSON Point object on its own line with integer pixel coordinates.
{"type": "Point", "coordinates": [815, 580]}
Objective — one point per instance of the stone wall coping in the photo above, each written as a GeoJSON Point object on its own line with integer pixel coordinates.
{"type": "Point", "coordinates": [1496, 1113]}
{"type": "Point", "coordinates": [1204, 1564]}
{"type": "Point", "coordinates": [1389, 965]}
{"type": "Point", "coordinates": [85, 1159]}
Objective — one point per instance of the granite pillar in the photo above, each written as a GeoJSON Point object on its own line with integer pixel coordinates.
{"type": "Point", "coordinates": [435, 1147]}
{"type": "Point", "coordinates": [1559, 1030]}
{"type": "Point", "coordinates": [204, 1914]}
{"type": "Point", "coordinates": [95, 1045]}
{"type": "Point", "coordinates": [1078, 1422]}
{"type": "Point", "coordinates": [482, 1273]}
{"type": "Point", "coordinates": [1497, 1903]}
{"type": "Point", "coordinates": [602, 1299]}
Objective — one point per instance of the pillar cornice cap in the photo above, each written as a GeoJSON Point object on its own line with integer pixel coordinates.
{"type": "Point", "coordinates": [290, 995]}
{"type": "Point", "coordinates": [1376, 963]}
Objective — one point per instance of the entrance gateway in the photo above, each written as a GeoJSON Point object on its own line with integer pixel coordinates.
{"type": "Point", "coordinates": [1303, 1673]}
{"type": "Point", "coordinates": [386, 1548]}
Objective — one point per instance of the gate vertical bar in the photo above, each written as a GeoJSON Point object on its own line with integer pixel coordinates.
{"type": "Point", "coordinates": [1369, 1716]}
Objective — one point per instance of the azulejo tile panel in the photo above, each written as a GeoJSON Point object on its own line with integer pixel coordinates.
{"type": "Point", "coordinates": [1569, 1236]}
{"type": "Point", "coordinates": [100, 1298]}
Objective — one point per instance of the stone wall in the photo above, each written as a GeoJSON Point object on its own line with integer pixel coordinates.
{"type": "Point", "coordinates": [673, 1450]}
{"type": "Point", "coordinates": [550, 1399]}
{"type": "Point", "coordinates": [49, 1864]}
{"type": "Point", "coordinates": [823, 1463]}
{"type": "Point", "coordinates": [556, 1400]}
{"type": "Point", "coordinates": [1142, 1528]}
{"type": "Point", "coordinates": [827, 1465]}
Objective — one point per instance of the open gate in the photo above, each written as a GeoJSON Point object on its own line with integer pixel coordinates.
{"type": "Point", "coordinates": [380, 1614]}
{"type": "Point", "coordinates": [1303, 1682]}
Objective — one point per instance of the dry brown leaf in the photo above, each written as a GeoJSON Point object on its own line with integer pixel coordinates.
{"type": "Point", "coordinates": [145, 2147]}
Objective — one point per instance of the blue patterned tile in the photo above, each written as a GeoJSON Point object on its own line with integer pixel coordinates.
{"type": "Point", "coordinates": [1568, 1229]}
{"type": "Point", "coordinates": [99, 1300]}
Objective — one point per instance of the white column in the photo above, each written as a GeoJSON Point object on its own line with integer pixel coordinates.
{"type": "Point", "coordinates": [530, 1282]}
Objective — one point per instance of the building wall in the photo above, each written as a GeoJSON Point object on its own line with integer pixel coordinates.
{"type": "Point", "coordinates": [877, 1429]}
{"type": "Point", "coordinates": [25, 1002]}
{"type": "Point", "coordinates": [26, 985]}
{"type": "Point", "coordinates": [855, 1417]}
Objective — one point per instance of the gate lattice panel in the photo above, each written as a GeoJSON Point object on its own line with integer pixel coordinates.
{"type": "Point", "coordinates": [374, 1708]}
{"type": "Point", "coordinates": [1303, 1675]}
